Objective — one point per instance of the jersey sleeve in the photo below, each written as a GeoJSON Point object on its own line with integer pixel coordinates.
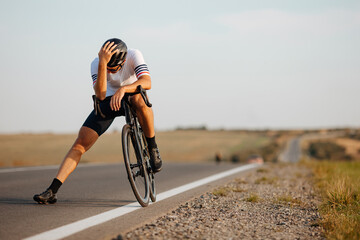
{"type": "Point", "coordinates": [140, 67]}
{"type": "Point", "coordinates": [94, 70]}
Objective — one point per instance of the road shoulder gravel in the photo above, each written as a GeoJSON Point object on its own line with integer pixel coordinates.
{"type": "Point", "coordinates": [276, 201]}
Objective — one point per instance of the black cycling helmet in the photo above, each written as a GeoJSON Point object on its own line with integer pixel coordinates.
{"type": "Point", "coordinates": [119, 57]}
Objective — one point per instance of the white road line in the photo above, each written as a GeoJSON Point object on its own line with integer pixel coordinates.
{"type": "Point", "coordinates": [78, 226]}
{"type": "Point", "coordinates": [22, 169]}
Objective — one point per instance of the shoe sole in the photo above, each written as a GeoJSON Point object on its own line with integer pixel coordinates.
{"type": "Point", "coordinates": [157, 170]}
{"type": "Point", "coordinates": [39, 201]}
{"type": "Point", "coordinates": [154, 169]}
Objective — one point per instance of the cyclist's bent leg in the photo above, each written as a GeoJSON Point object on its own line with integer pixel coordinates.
{"type": "Point", "coordinates": [144, 114]}
{"type": "Point", "coordinates": [86, 138]}
{"type": "Point", "coordinates": [146, 120]}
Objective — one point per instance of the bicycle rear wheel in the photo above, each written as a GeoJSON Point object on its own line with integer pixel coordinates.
{"type": "Point", "coordinates": [152, 187]}
{"type": "Point", "coordinates": [150, 172]}
{"type": "Point", "coordinates": [136, 170]}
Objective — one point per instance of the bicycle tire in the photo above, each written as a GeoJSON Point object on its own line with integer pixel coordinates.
{"type": "Point", "coordinates": [150, 173]}
{"type": "Point", "coordinates": [136, 171]}
{"type": "Point", "coordinates": [152, 187]}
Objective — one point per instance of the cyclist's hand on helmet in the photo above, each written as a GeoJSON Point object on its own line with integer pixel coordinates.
{"type": "Point", "coordinates": [115, 102]}
{"type": "Point", "coordinates": [107, 51]}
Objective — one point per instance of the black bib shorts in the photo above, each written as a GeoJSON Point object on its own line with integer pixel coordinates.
{"type": "Point", "coordinates": [100, 124]}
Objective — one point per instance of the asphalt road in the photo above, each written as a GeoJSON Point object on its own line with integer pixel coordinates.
{"type": "Point", "coordinates": [292, 152]}
{"type": "Point", "coordinates": [91, 190]}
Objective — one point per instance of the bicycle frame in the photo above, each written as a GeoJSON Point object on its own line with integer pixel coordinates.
{"type": "Point", "coordinates": [133, 122]}
{"type": "Point", "coordinates": [141, 166]}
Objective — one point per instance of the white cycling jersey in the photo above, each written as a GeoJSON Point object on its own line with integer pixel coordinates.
{"type": "Point", "coordinates": [133, 68]}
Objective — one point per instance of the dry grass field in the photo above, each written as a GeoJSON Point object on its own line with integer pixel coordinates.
{"type": "Point", "coordinates": [349, 141]}
{"type": "Point", "coordinates": [175, 146]}
{"type": "Point", "coordinates": [337, 182]}
{"type": "Point", "coordinates": [352, 146]}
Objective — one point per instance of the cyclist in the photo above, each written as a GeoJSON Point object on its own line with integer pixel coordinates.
{"type": "Point", "coordinates": [116, 71]}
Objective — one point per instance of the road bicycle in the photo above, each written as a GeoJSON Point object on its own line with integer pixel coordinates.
{"type": "Point", "coordinates": [136, 154]}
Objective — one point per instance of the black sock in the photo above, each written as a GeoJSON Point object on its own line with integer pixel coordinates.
{"type": "Point", "coordinates": [55, 185]}
{"type": "Point", "coordinates": [151, 142]}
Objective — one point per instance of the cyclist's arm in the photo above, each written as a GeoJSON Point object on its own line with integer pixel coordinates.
{"type": "Point", "coordinates": [105, 54]}
{"type": "Point", "coordinates": [144, 81]}
{"type": "Point", "coordinates": [101, 84]}
{"type": "Point", "coordinates": [141, 71]}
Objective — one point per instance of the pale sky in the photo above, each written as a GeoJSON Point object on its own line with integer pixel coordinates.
{"type": "Point", "coordinates": [223, 64]}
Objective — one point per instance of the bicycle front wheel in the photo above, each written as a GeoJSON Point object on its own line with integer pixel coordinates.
{"type": "Point", "coordinates": [136, 170]}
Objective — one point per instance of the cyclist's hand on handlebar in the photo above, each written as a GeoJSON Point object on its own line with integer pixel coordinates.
{"type": "Point", "coordinates": [107, 51]}
{"type": "Point", "coordinates": [115, 102]}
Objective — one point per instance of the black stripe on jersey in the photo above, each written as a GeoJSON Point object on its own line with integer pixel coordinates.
{"type": "Point", "coordinates": [94, 77]}
{"type": "Point", "coordinates": [141, 68]}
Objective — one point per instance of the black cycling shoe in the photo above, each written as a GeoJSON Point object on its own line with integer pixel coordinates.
{"type": "Point", "coordinates": [155, 160]}
{"type": "Point", "coordinates": [46, 197]}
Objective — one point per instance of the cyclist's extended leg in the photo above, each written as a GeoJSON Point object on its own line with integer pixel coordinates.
{"type": "Point", "coordinates": [146, 120]}
{"type": "Point", "coordinates": [93, 127]}
{"type": "Point", "coordinates": [86, 138]}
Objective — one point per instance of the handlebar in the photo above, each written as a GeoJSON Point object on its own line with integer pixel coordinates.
{"type": "Point", "coordinates": [144, 95]}
{"type": "Point", "coordinates": [140, 90]}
